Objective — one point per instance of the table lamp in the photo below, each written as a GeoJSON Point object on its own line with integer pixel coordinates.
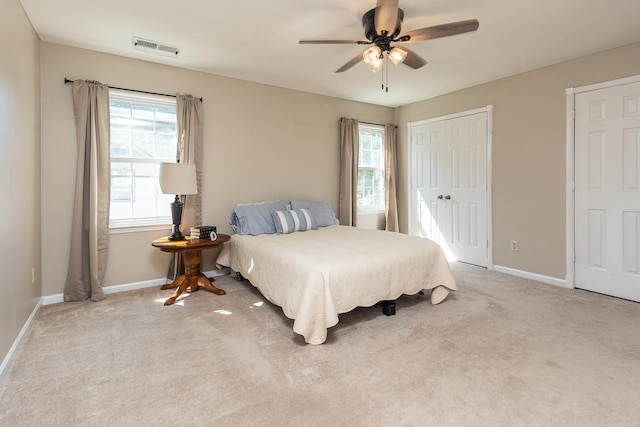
{"type": "Point", "coordinates": [179, 179]}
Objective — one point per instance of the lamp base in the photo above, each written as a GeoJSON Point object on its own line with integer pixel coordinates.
{"type": "Point", "coordinates": [176, 216]}
{"type": "Point", "coordinates": [177, 235]}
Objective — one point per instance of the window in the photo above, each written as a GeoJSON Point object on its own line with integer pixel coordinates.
{"type": "Point", "coordinates": [143, 134]}
{"type": "Point", "coordinates": [371, 194]}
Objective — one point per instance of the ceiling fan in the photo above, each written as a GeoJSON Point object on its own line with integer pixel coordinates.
{"type": "Point", "coordinates": [382, 27]}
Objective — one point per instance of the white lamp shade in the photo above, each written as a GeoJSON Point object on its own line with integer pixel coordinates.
{"type": "Point", "coordinates": [178, 178]}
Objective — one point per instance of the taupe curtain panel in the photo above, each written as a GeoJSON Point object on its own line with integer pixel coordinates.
{"type": "Point", "coordinates": [189, 111]}
{"type": "Point", "coordinates": [349, 147]}
{"type": "Point", "coordinates": [391, 177]}
{"type": "Point", "coordinates": [90, 224]}
{"type": "Point", "coordinates": [190, 151]}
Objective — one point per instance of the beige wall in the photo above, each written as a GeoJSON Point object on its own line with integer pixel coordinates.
{"type": "Point", "coordinates": [261, 143]}
{"type": "Point", "coordinates": [19, 172]}
{"type": "Point", "coordinates": [529, 162]}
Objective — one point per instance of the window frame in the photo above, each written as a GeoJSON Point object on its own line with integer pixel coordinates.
{"type": "Point", "coordinates": [151, 223]}
{"type": "Point", "coordinates": [382, 207]}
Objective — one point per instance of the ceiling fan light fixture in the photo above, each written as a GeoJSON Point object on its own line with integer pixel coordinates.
{"type": "Point", "coordinates": [382, 27]}
{"type": "Point", "coordinates": [397, 55]}
{"type": "Point", "coordinates": [372, 55]}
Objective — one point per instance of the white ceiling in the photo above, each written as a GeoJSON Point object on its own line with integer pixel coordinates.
{"type": "Point", "coordinates": [257, 40]}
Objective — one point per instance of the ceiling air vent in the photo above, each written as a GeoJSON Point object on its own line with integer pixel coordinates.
{"type": "Point", "coordinates": [155, 47]}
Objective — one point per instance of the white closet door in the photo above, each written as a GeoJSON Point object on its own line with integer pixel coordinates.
{"type": "Point", "coordinates": [607, 196]}
{"type": "Point", "coordinates": [449, 185]}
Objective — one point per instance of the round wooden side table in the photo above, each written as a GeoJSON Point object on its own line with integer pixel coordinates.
{"type": "Point", "coordinates": [192, 279]}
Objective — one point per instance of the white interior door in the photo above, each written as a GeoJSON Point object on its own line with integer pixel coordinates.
{"type": "Point", "coordinates": [449, 185]}
{"type": "Point", "coordinates": [607, 192]}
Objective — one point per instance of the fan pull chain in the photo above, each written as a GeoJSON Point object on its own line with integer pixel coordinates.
{"type": "Point", "coordinates": [386, 65]}
{"type": "Point", "coordinates": [382, 73]}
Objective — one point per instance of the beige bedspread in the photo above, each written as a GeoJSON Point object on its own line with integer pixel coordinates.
{"type": "Point", "coordinates": [316, 275]}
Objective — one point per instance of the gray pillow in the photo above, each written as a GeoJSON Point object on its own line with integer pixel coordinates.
{"type": "Point", "coordinates": [321, 212]}
{"type": "Point", "coordinates": [255, 218]}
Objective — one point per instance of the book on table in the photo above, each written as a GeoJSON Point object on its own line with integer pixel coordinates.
{"type": "Point", "coordinates": [203, 231]}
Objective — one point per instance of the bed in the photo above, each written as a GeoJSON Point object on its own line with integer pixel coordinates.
{"type": "Point", "coordinates": [315, 275]}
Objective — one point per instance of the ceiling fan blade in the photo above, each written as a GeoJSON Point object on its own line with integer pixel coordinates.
{"type": "Point", "coordinates": [386, 16]}
{"type": "Point", "coordinates": [413, 60]}
{"type": "Point", "coordinates": [349, 64]}
{"type": "Point", "coordinates": [317, 41]}
{"type": "Point", "coordinates": [437, 31]}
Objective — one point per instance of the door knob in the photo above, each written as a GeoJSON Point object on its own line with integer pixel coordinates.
{"type": "Point", "coordinates": [439, 196]}
{"type": "Point", "coordinates": [447, 197]}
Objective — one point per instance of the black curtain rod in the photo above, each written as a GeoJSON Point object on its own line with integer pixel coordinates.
{"type": "Point", "coordinates": [67, 81]}
{"type": "Point", "coordinates": [367, 123]}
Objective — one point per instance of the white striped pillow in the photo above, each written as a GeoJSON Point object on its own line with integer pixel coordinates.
{"type": "Point", "coordinates": [293, 220]}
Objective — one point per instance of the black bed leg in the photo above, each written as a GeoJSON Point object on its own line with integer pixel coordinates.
{"type": "Point", "coordinates": [239, 277]}
{"type": "Point", "coordinates": [389, 308]}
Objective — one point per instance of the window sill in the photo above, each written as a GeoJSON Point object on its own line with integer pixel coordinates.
{"type": "Point", "coordinates": [139, 228]}
{"type": "Point", "coordinates": [370, 211]}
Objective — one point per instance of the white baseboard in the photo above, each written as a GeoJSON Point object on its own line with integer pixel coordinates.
{"type": "Point", "coordinates": [19, 338]}
{"type": "Point", "coordinates": [58, 298]}
{"type": "Point", "coordinates": [533, 276]}
{"type": "Point", "coordinates": [220, 272]}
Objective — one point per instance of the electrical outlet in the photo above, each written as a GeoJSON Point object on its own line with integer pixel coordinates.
{"type": "Point", "coordinates": [514, 245]}
{"type": "Point", "coordinates": [33, 275]}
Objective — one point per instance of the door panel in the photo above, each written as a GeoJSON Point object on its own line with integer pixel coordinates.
{"type": "Point", "coordinates": [598, 239]}
{"type": "Point", "coordinates": [631, 236]}
{"type": "Point", "coordinates": [631, 159]}
{"type": "Point", "coordinates": [607, 197]}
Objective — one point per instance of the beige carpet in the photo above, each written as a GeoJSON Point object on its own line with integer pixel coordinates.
{"type": "Point", "coordinates": [500, 351]}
